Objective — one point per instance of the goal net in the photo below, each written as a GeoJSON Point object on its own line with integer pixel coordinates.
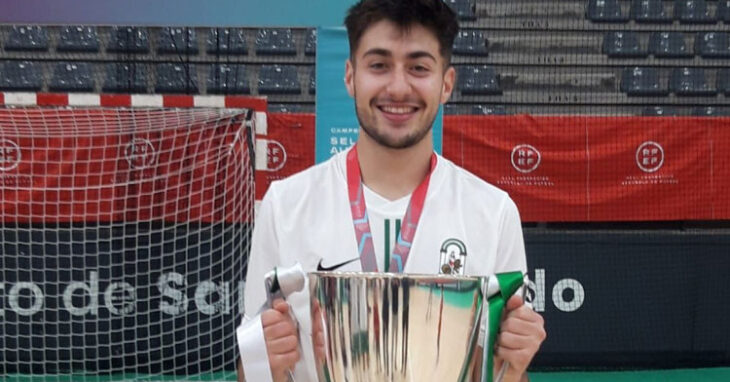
{"type": "Point", "coordinates": [124, 235]}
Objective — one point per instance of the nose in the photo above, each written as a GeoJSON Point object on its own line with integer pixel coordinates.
{"type": "Point", "coordinates": [399, 86]}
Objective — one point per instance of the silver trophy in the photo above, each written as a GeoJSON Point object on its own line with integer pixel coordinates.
{"type": "Point", "coordinates": [392, 327]}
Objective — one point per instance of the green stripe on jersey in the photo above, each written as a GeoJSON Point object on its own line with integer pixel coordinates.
{"type": "Point", "coordinates": [387, 235]}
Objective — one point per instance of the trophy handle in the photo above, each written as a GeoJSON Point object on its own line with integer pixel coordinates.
{"type": "Point", "coordinates": [496, 290]}
{"type": "Point", "coordinates": [282, 282]}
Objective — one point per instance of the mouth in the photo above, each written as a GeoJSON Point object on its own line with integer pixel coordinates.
{"type": "Point", "coordinates": [398, 113]}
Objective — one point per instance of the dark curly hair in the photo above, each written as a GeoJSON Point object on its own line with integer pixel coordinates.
{"type": "Point", "coordinates": [434, 15]}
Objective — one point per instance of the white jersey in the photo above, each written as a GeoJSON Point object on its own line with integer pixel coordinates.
{"type": "Point", "coordinates": [467, 227]}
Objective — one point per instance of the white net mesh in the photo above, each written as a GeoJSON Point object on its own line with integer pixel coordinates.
{"type": "Point", "coordinates": [124, 238]}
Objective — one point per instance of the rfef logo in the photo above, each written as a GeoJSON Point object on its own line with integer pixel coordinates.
{"type": "Point", "coordinates": [525, 158]}
{"type": "Point", "coordinates": [649, 156]}
{"type": "Point", "coordinates": [9, 155]}
{"type": "Point", "coordinates": [275, 156]}
{"type": "Point", "coordinates": [140, 153]}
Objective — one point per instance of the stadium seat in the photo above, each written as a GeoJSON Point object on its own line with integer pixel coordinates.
{"type": "Point", "coordinates": [690, 82]}
{"type": "Point", "coordinates": [310, 47]}
{"type": "Point", "coordinates": [723, 81]}
{"type": "Point", "coordinates": [642, 81]}
{"type": "Point", "coordinates": [710, 111]}
{"type": "Point", "coordinates": [692, 12]}
{"type": "Point", "coordinates": [465, 9]}
{"type": "Point", "coordinates": [275, 42]}
{"type": "Point", "coordinates": [488, 110]}
{"type": "Point", "coordinates": [226, 41]}
{"type": "Point", "coordinates": [478, 79]}
{"type": "Point", "coordinates": [470, 43]}
{"type": "Point", "coordinates": [605, 11]}
{"type": "Point", "coordinates": [21, 75]}
{"type": "Point", "coordinates": [228, 79]}
{"type": "Point", "coordinates": [176, 78]}
{"type": "Point", "coordinates": [78, 39]}
{"type": "Point", "coordinates": [660, 111]}
{"type": "Point", "coordinates": [451, 109]}
{"type": "Point", "coordinates": [312, 80]}
{"type": "Point", "coordinates": [177, 41]}
{"type": "Point", "coordinates": [649, 11]}
{"type": "Point", "coordinates": [622, 44]}
{"type": "Point", "coordinates": [279, 79]}
{"type": "Point", "coordinates": [72, 77]}
{"type": "Point", "coordinates": [713, 44]}
{"type": "Point", "coordinates": [125, 78]}
{"type": "Point", "coordinates": [723, 11]}
{"type": "Point", "coordinates": [668, 45]}
{"type": "Point", "coordinates": [129, 40]}
{"type": "Point", "coordinates": [33, 38]}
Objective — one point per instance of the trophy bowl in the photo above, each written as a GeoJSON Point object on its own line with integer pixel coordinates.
{"type": "Point", "coordinates": [395, 327]}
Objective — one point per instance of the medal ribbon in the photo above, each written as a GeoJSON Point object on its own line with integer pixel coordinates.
{"type": "Point", "coordinates": [363, 234]}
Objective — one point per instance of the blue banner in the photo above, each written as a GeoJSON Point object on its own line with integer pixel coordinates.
{"type": "Point", "coordinates": [248, 13]}
{"type": "Point", "coordinates": [336, 122]}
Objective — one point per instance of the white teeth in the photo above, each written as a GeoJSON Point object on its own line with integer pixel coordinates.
{"type": "Point", "coordinates": [397, 110]}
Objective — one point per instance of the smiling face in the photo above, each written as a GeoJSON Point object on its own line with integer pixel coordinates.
{"type": "Point", "coordinates": [398, 79]}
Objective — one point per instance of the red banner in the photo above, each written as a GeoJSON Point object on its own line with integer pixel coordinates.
{"type": "Point", "coordinates": [720, 130]}
{"type": "Point", "coordinates": [567, 168]}
{"type": "Point", "coordinates": [46, 175]}
{"type": "Point", "coordinates": [647, 168]}
{"type": "Point", "coordinates": [540, 162]}
{"type": "Point", "coordinates": [101, 165]}
{"type": "Point", "coordinates": [289, 145]}
{"type": "Point", "coordinates": [599, 168]}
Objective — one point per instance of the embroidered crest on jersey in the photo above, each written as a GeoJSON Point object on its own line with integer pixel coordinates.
{"type": "Point", "coordinates": [453, 257]}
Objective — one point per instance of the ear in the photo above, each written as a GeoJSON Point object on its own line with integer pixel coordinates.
{"type": "Point", "coordinates": [350, 77]}
{"type": "Point", "coordinates": [448, 87]}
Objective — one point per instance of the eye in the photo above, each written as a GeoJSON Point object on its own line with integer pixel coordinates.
{"type": "Point", "coordinates": [420, 69]}
{"type": "Point", "coordinates": [377, 66]}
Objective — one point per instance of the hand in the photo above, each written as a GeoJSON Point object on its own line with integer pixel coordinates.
{"type": "Point", "coordinates": [282, 341]}
{"type": "Point", "coordinates": [522, 332]}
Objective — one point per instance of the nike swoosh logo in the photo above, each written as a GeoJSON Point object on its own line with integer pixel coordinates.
{"type": "Point", "coordinates": [321, 268]}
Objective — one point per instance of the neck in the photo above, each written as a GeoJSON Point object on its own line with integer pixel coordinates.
{"type": "Point", "coordinates": [393, 173]}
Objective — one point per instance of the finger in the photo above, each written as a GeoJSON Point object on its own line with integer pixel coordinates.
{"type": "Point", "coordinates": [516, 341]}
{"type": "Point", "coordinates": [282, 345]}
{"type": "Point", "coordinates": [270, 317]}
{"type": "Point", "coordinates": [526, 314]}
{"type": "Point", "coordinates": [280, 305]}
{"type": "Point", "coordinates": [279, 330]}
{"type": "Point", "coordinates": [522, 324]}
{"type": "Point", "coordinates": [285, 361]}
{"type": "Point", "coordinates": [282, 363]}
{"type": "Point", "coordinates": [517, 358]}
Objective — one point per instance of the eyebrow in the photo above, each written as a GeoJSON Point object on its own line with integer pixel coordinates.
{"type": "Point", "coordinates": [386, 53]}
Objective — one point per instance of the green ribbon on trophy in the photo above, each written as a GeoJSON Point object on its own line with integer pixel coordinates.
{"type": "Point", "coordinates": [498, 289]}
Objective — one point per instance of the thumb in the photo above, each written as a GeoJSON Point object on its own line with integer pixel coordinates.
{"type": "Point", "coordinates": [281, 306]}
{"type": "Point", "coordinates": [514, 302]}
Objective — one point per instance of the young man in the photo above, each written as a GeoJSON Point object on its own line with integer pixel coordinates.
{"type": "Point", "coordinates": [398, 73]}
